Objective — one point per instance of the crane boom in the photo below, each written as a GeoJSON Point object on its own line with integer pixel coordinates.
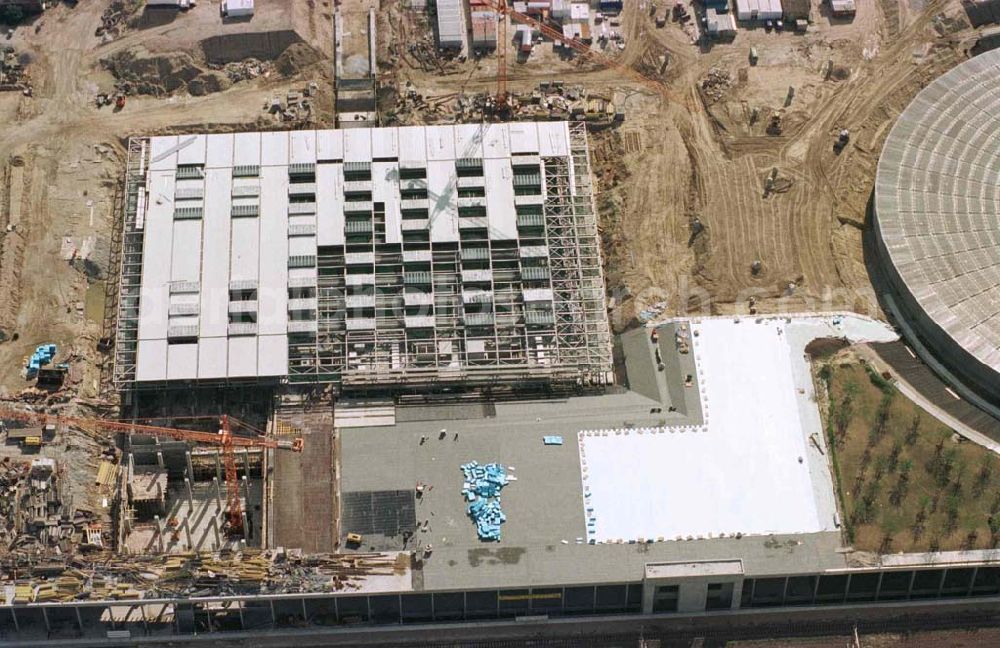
{"type": "Point", "coordinates": [501, 7]}
{"type": "Point", "coordinates": [223, 438]}
{"type": "Point", "coordinates": [209, 438]}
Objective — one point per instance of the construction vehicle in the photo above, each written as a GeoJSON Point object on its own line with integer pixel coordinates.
{"type": "Point", "coordinates": [774, 124]}
{"type": "Point", "coordinates": [753, 56]}
{"type": "Point", "coordinates": [842, 140]}
{"type": "Point", "coordinates": [661, 15]}
{"type": "Point", "coordinates": [224, 438]}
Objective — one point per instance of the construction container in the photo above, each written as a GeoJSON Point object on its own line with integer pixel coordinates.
{"type": "Point", "coordinates": [524, 36]}
{"type": "Point", "coordinates": [749, 10]}
{"type": "Point", "coordinates": [484, 29]}
{"type": "Point", "coordinates": [237, 8]}
{"type": "Point", "coordinates": [451, 24]}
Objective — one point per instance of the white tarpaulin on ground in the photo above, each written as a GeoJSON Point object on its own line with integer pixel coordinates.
{"type": "Point", "coordinates": [751, 468]}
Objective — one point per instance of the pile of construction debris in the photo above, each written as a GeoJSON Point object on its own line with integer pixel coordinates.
{"type": "Point", "coordinates": [247, 69]}
{"type": "Point", "coordinates": [115, 18]}
{"type": "Point", "coordinates": [36, 516]}
{"type": "Point", "coordinates": [716, 83]}
{"type": "Point", "coordinates": [12, 74]}
{"type": "Point", "coordinates": [296, 107]}
{"type": "Point", "coordinates": [67, 578]}
{"type": "Point", "coordinates": [552, 100]}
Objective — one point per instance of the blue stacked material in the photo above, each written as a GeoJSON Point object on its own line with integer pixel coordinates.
{"type": "Point", "coordinates": [552, 440]}
{"type": "Point", "coordinates": [482, 489]}
{"type": "Point", "coordinates": [42, 356]}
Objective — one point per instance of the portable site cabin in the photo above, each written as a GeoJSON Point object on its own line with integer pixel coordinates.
{"type": "Point", "coordinates": [237, 8]}
{"type": "Point", "coordinates": [451, 24]}
{"type": "Point", "coordinates": [719, 24]}
{"type": "Point", "coordinates": [749, 10]}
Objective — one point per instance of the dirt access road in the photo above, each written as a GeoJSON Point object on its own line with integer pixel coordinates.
{"type": "Point", "coordinates": [707, 160]}
{"type": "Point", "coordinates": [705, 155]}
{"type": "Point", "coordinates": [70, 156]}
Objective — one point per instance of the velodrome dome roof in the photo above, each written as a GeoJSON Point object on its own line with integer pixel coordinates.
{"type": "Point", "coordinates": [937, 201]}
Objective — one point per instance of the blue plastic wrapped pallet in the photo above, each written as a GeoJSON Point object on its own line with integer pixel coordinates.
{"type": "Point", "coordinates": [482, 489]}
{"type": "Point", "coordinates": [42, 356]}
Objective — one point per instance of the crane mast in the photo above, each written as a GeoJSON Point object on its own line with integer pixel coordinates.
{"type": "Point", "coordinates": [502, 55]}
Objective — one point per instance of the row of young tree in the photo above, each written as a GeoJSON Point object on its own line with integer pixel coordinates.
{"type": "Point", "coordinates": [884, 475]}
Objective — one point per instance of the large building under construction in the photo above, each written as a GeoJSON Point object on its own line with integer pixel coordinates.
{"type": "Point", "coordinates": [414, 257]}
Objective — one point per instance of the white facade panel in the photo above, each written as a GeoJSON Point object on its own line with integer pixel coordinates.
{"type": "Point", "coordinates": [219, 150]}
{"type": "Point", "coordinates": [245, 252]}
{"type": "Point", "coordinates": [215, 264]}
{"type": "Point", "coordinates": [412, 144]}
{"type": "Point", "coordinates": [523, 138]}
{"type": "Point", "coordinates": [242, 357]}
{"type": "Point", "coordinates": [329, 145]}
{"type": "Point", "coordinates": [441, 187]}
{"type": "Point", "coordinates": [151, 361]}
{"type": "Point", "coordinates": [182, 361]}
{"type": "Point", "coordinates": [330, 204]}
{"type": "Point", "coordinates": [212, 357]}
{"type": "Point", "coordinates": [156, 255]}
{"type": "Point", "coordinates": [440, 144]}
{"type": "Point", "coordinates": [303, 147]}
{"type": "Point", "coordinates": [185, 263]}
{"type": "Point", "coordinates": [385, 143]}
{"type": "Point", "coordinates": [272, 356]}
{"type": "Point", "coordinates": [385, 189]}
{"type": "Point", "coordinates": [272, 295]}
{"type": "Point", "coordinates": [274, 148]}
{"type": "Point", "coordinates": [191, 150]}
{"type": "Point", "coordinates": [357, 145]}
{"type": "Point", "coordinates": [496, 141]}
{"type": "Point", "coordinates": [302, 246]}
{"type": "Point", "coordinates": [301, 274]}
{"type": "Point", "coordinates": [163, 153]}
{"type": "Point", "coordinates": [246, 148]}
{"type": "Point", "coordinates": [500, 199]}
{"type": "Point", "coordinates": [553, 139]}
{"type": "Point", "coordinates": [469, 140]}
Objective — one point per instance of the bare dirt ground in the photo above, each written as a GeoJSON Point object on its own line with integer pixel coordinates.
{"type": "Point", "coordinates": [66, 156]}
{"type": "Point", "coordinates": [701, 156]}
{"type": "Point", "coordinates": [698, 156]}
{"type": "Point", "coordinates": [934, 639]}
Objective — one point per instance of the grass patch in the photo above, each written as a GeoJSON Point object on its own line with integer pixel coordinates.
{"type": "Point", "coordinates": [904, 483]}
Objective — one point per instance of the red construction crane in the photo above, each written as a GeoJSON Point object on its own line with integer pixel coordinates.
{"type": "Point", "coordinates": [501, 7]}
{"type": "Point", "coordinates": [223, 438]}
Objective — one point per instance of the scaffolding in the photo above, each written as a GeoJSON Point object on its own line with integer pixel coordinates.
{"type": "Point", "coordinates": [109, 321]}
{"type": "Point", "coordinates": [130, 273]}
{"type": "Point", "coordinates": [582, 332]}
{"type": "Point", "coordinates": [489, 308]}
